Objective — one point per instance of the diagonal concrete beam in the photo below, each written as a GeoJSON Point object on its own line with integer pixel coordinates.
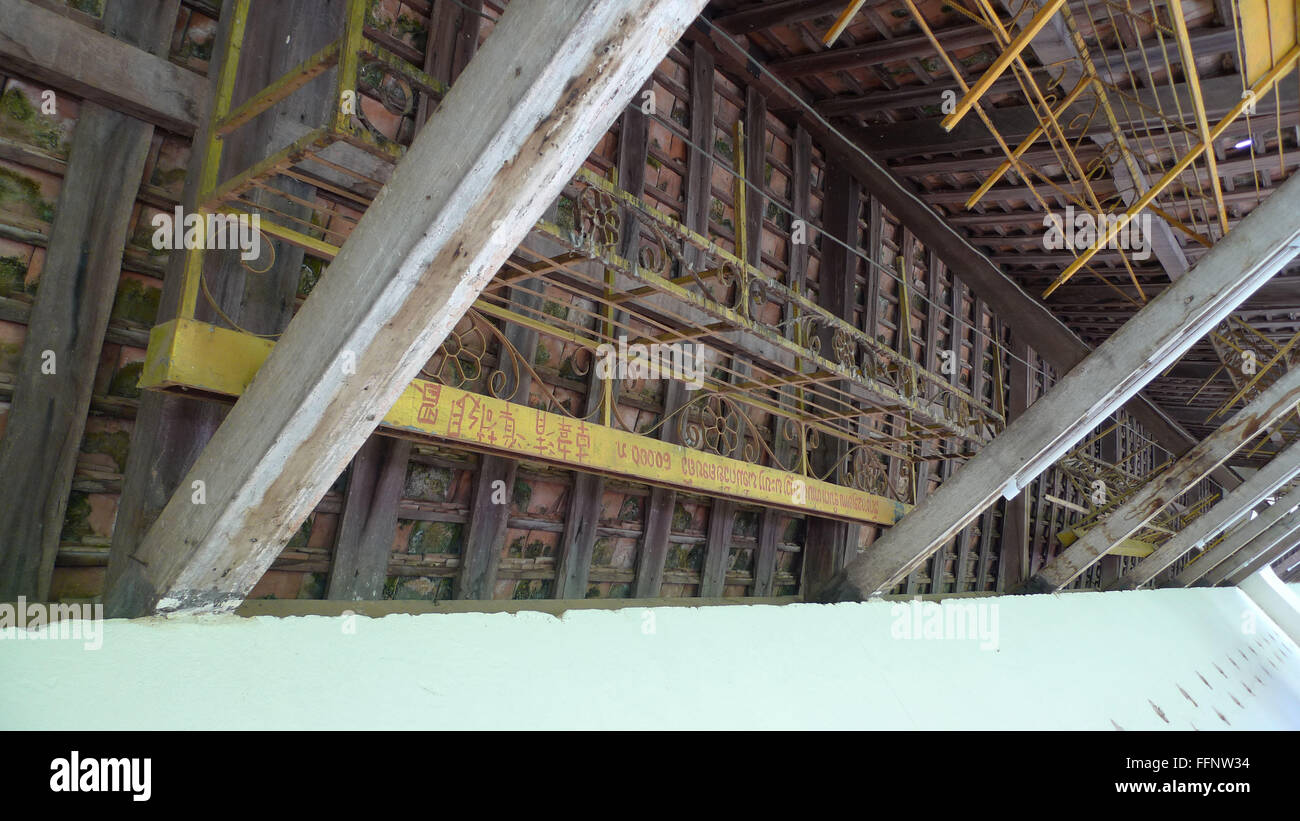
{"type": "Point", "coordinates": [510, 134]}
{"type": "Point", "coordinates": [1269, 545]}
{"type": "Point", "coordinates": [1152, 340]}
{"type": "Point", "coordinates": [1287, 568]}
{"type": "Point", "coordinates": [1260, 414]}
{"type": "Point", "coordinates": [1264, 483]}
{"type": "Point", "coordinates": [1266, 558]}
{"type": "Point", "coordinates": [1235, 541]}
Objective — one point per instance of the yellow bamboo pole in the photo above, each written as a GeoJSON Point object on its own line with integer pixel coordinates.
{"type": "Point", "coordinates": [1261, 87]}
{"type": "Point", "coordinates": [1198, 105]}
{"type": "Point", "coordinates": [842, 22]}
{"type": "Point", "coordinates": [1005, 59]}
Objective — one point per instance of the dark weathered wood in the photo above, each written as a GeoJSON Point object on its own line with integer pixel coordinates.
{"type": "Point", "coordinates": [68, 321]}
{"type": "Point", "coordinates": [906, 97]}
{"type": "Point", "coordinates": [785, 448]}
{"type": "Point", "coordinates": [69, 317]}
{"type": "Point", "coordinates": [826, 551]}
{"type": "Point", "coordinates": [765, 554]}
{"type": "Point", "coordinates": [494, 485]}
{"type": "Point", "coordinates": [987, 526]}
{"type": "Point", "coordinates": [1013, 566]}
{"type": "Point", "coordinates": [956, 332]}
{"type": "Point", "coordinates": [486, 531]}
{"type": "Point", "coordinates": [755, 160]}
{"type": "Point", "coordinates": [171, 431]}
{"type": "Point", "coordinates": [881, 51]}
{"type": "Point", "coordinates": [654, 543]}
{"type": "Point", "coordinates": [573, 560]}
{"type": "Point", "coordinates": [453, 39]}
{"type": "Point", "coordinates": [659, 511]}
{"type": "Point", "coordinates": [699, 173]}
{"type": "Point", "coordinates": [1203, 41]}
{"type": "Point", "coordinates": [717, 550]}
{"type": "Point", "coordinates": [934, 322]}
{"type": "Point", "coordinates": [979, 350]}
{"type": "Point", "coordinates": [368, 521]}
{"type": "Point", "coordinates": [121, 73]}
{"type": "Point", "coordinates": [875, 245]}
{"type": "Point", "coordinates": [903, 345]}
{"type": "Point", "coordinates": [830, 544]}
{"type": "Point", "coordinates": [506, 140]}
{"type": "Point", "coordinates": [755, 207]}
{"type": "Point", "coordinates": [759, 16]}
{"type": "Point", "coordinates": [801, 189]}
{"type": "Point", "coordinates": [927, 136]}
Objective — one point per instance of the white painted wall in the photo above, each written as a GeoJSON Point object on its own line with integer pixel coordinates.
{"type": "Point", "coordinates": [1079, 660]}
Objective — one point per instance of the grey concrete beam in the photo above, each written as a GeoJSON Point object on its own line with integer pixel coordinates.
{"type": "Point", "coordinates": [1271, 545]}
{"type": "Point", "coordinates": [1264, 483]}
{"type": "Point", "coordinates": [1261, 413]}
{"type": "Point", "coordinates": [1235, 541]}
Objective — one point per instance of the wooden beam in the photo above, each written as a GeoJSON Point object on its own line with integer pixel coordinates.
{"type": "Point", "coordinates": [765, 554]}
{"type": "Point", "coordinates": [770, 521]}
{"type": "Point", "coordinates": [699, 176]}
{"type": "Point", "coordinates": [659, 513]}
{"type": "Point", "coordinates": [577, 545]}
{"type": "Point", "coordinates": [875, 252]}
{"type": "Point", "coordinates": [934, 271]}
{"type": "Point", "coordinates": [1287, 561]}
{"type": "Point", "coordinates": [368, 521]}
{"type": "Point", "coordinates": [722, 515]}
{"type": "Point", "coordinates": [507, 138]}
{"type": "Point", "coordinates": [1013, 566]}
{"type": "Point", "coordinates": [881, 51]}
{"type": "Point", "coordinates": [68, 319]}
{"type": "Point", "coordinates": [961, 571]}
{"type": "Point", "coordinates": [573, 564]}
{"type": "Point", "coordinates": [1272, 545]}
{"type": "Point", "coordinates": [485, 532]}
{"type": "Point", "coordinates": [759, 16]}
{"type": "Point", "coordinates": [979, 380]}
{"type": "Point", "coordinates": [1265, 410]}
{"type": "Point", "coordinates": [828, 544]}
{"type": "Point", "coordinates": [929, 354]}
{"type": "Point", "coordinates": [717, 548]}
{"type": "Point", "coordinates": [927, 136]}
{"type": "Point", "coordinates": [906, 97]}
{"type": "Point", "coordinates": [1264, 483]}
{"type": "Point", "coordinates": [120, 75]}
{"type": "Point", "coordinates": [1119, 368]}
{"type": "Point", "coordinates": [452, 41]}
{"type": "Point", "coordinates": [170, 431]}
{"type": "Point", "coordinates": [1237, 540]}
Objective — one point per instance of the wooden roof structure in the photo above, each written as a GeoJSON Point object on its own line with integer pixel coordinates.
{"type": "Point", "coordinates": [875, 222]}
